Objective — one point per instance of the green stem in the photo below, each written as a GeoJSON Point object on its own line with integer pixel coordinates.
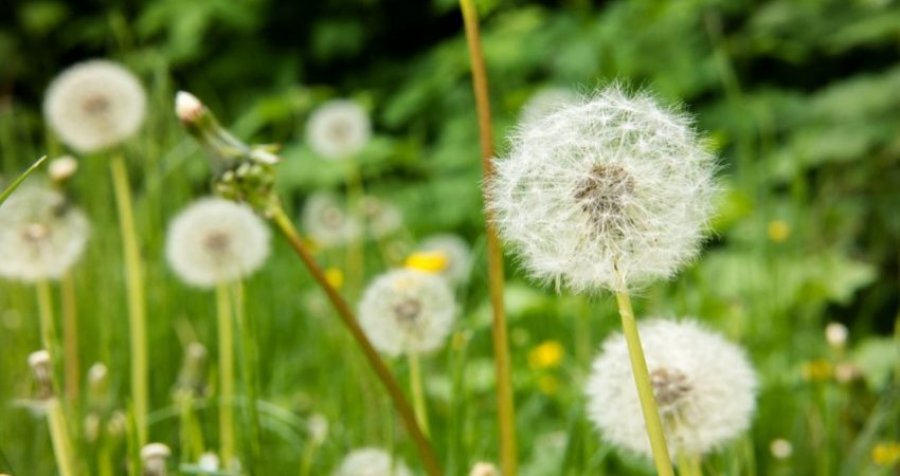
{"type": "Point", "coordinates": [644, 387]}
{"type": "Point", "coordinates": [415, 379]}
{"type": "Point", "coordinates": [21, 178]}
{"type": "Point", "coordinates": [45, 312]}
{"type": "Point", "coordinates": [71, 365]}
{"type": "Point", "coordinates": [505, 404]}
{"type": "Point", "coordinates": [407, 415]}
{"type": "Point", "coordinates": [134, 282]}
{"type": "Point", "coordinates": [689, 465]}
{"type": "Point", "coordinates": [59, 435]}
{"type": "Point", "coordinates": [249, 364]}
{"type": "Point", "coordinates": [226, 376]}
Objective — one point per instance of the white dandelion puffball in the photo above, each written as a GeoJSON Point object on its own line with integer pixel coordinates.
{"type": "Point", "coordinates": [545, 102]}
{"type": "Point", "coordinates": [327, 222]}
{"type": "Point", "coordinates": [41, 235]}
{"type": "Point", "coordinates": [371, 462]}
{"type": "Point", "coordinates": [338, 129]}
{"type": "Point", "coordinates": [704, 386]}
{"type": "Point", "coordinates": [94, 105]}
{"type": "Point", "coordinates": [382, 217]}
{"type": "Point", "coordinates": [457, 253]}
{"type": "Point", "coordinates": [215, 241]}
{"type": "Point", "coordinates": [406, 311]}
{"type": "Point", "coordinates": [608, 192]}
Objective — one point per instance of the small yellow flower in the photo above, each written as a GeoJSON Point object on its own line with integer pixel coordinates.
{"type": "Point", "coordinates": [886, 453]}
{"type": "Point", "coordinates": [335, 277]}
{"type": "Point", "coordinates": [779, 231]}
{"type": "Point", "coordinates": [548, 384]}
{"type": "Point", "coordinates": [817, 370]}
{"type": "Point", "coordinates": [546, 355]}
{"type": "Point", "coordinates": [433, 262]}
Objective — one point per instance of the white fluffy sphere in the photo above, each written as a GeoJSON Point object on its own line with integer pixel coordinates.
{"type": "Point", "coordinates": [338, 129]}
{"type": "Point", "coordinates": [41, 234]}
{"type": "Point", "coordinates": [371, 462]}
{"type": "Point", "coordinates": [406, 311]}
{"type": "Point", "coordinates": [610, 192]}
{"type": "Point", "coordinates": [94, 105]}
{"type": "Point", "coordinates": [457, 253]}
{"type": "Point", "coordinates": [704, 386]}
{"type": "Point", "coordinates": [326, 221]}
{"type": "Point", "coordinates": [214, 241]}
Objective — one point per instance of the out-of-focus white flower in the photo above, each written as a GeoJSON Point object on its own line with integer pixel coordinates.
{"type": "Point", "coordinates": [154, 456]}
{"type": "Point", "coordinates": [610, 192]}
{"type": "Point", "coordinates": [187, 107]}
{"type": "Point", "coordinates": [41, 235]}
{"type": "Point", "coordinates": [338, 129]}
{"type": "Point", "coordinates": [704, 386]}
{"type": "Point", "coordinates": [484, 469]}
{"type": "Point", "coordinates": [546, 101]}
{"type": "Point", "coordinates": [317, 425]}
{"type": "Point", "coordinates": [372, 462]}
{"type": "Point", "coordinates": [836, 335]}
{"type": "Point", "coordinates": [327, 222]}
{"type": "Point", "coordinates": [214, 241]}
{"type": "Point", "coordinates": [457, 253]}
{"type": "Point", "coordinates": [781, 448]}
{"type": "Point", "coordinates": [62, 168]}
{"type": "Point", "coordinates": [405, 311]}
{"type": "Point", "coordinates": [208, 462]}
{"type": "Point", "coordinates": [94, 105]}
{"type": "Point", "coordinates": [382, 218]}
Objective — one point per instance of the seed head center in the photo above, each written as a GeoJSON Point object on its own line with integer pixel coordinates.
{"type": "Point", "coordinates": [96, 105]}
{"type": "Point", "coordinates": [35, 232]}
{"type": "Point", "coordinates": [669, 386]}
{"type": "Point", "coordinates": [407, 310]}
{"type": "Point", "coordinates": [603, 193]}
{"type": "Point", "coordinates": [218, 242]}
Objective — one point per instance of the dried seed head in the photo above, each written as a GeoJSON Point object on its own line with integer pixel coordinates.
{"type": "Point", "coordinates": [42, 367]}
{"type": "Point", "coordinates": [338, 129]}
{"type": "Point", "coordinates": [371, 462]}
{"type": "Point", "coordinates": [836, 335]}
{"type": "Point", "coordinates": [327, 222]}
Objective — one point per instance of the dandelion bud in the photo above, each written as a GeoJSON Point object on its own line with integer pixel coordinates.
{"type": "Point", "coordinates": [704, 386]}
{"type": "Point", "coordinates": [836, 335]}
{"type": "Point", "coordinates": [406, 311]}
{"type": "Point", "coordinates": [187, 107]}
{"type": "Point", "coordinates": [781, 448]}
{"type": "Point", "coordinates": [484, 469]}
{"type": "Point", "coordinates": [371, 462]}
{"type": "Point", "coordinates": [42, 367]}
{"type": "Point", "coordinates": [62, 168]}
{"type": "Point", "coordinates": [338, 129]}
{"type": "Point", "coordinates": [609, 192]}
{"type": "Point", "coordinates": [154, 457]}
{"type": "Point", "coordinates": [192, 377]}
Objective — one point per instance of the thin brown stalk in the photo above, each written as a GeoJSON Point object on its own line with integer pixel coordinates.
{"type": "Point", "coordinates": [505, 404]}
{"type": "Point", "coordinates": [407, 415]}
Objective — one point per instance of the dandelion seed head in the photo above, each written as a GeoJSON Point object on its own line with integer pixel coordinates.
{"type": "Point", "coordinates": [704, 386]}
{"type": "Point", "coordinates": [457, 252]}
{"type": "Point", "coordinates": [608, 192]}
{"type": "Point", "coordinates": [836, 335]}
{"type": "Point", "coordinates": [327, 222]}
{"type": "Point", "coordinates": [371, 462]}
{"type": "Point", "coordinates": [382, 217]}
{"type": "Point", "coordinates": [94, 105]}
{"type": "Point", "coordinates": [62, 168]}
{"type": "Point", "coordinates": [338, 129]}
{"type": "Point", "coordinates": [41, 235]}
{"type": "Point", "coordinates": [406, 310]}
{"type": "Point", "coordinates": [214, 241]}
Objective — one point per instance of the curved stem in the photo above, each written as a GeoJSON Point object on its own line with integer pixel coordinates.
{"type": "Point", "coordinates": [505, 404]}
{"type": "Point", "coordinates": [645, 389]}
{"type": "Point", "coordinates": [226, 376]}
{"type": "Point", "coordinates": [415, 379]}
{"type": "Point", "coordinates": [137, 302]}
{"type": "Point", "coordinates": [407, 416]}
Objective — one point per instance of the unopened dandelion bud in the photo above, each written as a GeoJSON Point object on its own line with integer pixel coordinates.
{"type": "Point", "coordinates": [192, 377]}
{"type": "Point", "coordinates": [484, 469]}
{"type": "Point", "coordinates": [42, 367]}
{"type": "Point", "coordinates": [62, 168]}
{"type": "Point", "coordinates": [836, 335]}
{"type": "Point", "coordinates": [781, 448]}
{"type": "Point", "coordinates": [154, 457]}
{"type": "Point", "coordinates": [187, 107]}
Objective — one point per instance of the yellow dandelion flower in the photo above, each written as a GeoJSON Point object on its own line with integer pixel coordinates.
{"type": "Point", "coordinates": [546, 355]}
{"type": "Point", "coordinates": [886, 453]}
{"type": "Point", "coordinates": [817, 370]}
{"type": "Point", "coordinates": [779, 231]}
{"type": "Point", "coordinates": [335, 277]}
{"type": "Point", "coordinates": [433, 262]}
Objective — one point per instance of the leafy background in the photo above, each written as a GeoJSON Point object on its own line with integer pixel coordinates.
{"type": "Point", "coordinates": [799, 98]}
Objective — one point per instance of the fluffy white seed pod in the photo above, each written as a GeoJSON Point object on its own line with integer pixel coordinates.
{"type": "Point", "coordinates": [371, 462]}
{"type": "Point", "coordinates": [405, 310]}
{"type": "Point", "coordinates": [612, 191]}
{"type": "Point", "coordinates": [546, 101]}
{"type": "Point", "coordinates": [214, 241]}
{"type": "Point", "coordinates": [338, 129]}
{"type": "Point", "coordinates": [382, 217]}
{"type": "Point", "coordinates": [94, 105]}
{"type": "Point", "coordinates": [457, 253]}
{"type": "Point", "coordinates": [704, 386]}
{"type": "Point", "coordinates": [327, 222]}
{"type": "Point", "coordinates": [41, 235]}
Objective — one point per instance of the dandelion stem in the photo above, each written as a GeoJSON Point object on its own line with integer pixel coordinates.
{"type": "Point", "coordinates": [70, 338]}
{"type": "Point", "coordinates": [645, 389]}
{"type": "Point", "coordinates": [346, 315]}
{"type": "Point", "coordinates": [226, 376]}
{"type": "Point", "coordinates": [134, 282]}
{"type": "Point", "coordinates": [249, 365]}
{"type": "Point", "coordinates": [45, 312]}
{"type": "Point", "coordinates": [415, 379]}
{"type": "Point", "coordinates": [689, 465]}
{"type": "Point", "coordinates": [59, 435]}
{"type": "Point", "coordinates": [505, 403]}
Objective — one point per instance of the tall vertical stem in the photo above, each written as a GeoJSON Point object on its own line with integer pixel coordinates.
{"type": "Point", "coordinates": [45, 313]}
{"type": "Point", "coordinates": [407, 415]}
{"type": "Point", "coordinates": [226, 376]}
{"type": "Point", "coordinates": [137, 302]}
{"type": "Point", "coordinates": [645, 389]}
{"type": "Point", "coordinates": [71, 365]}
{"type": "Point", "coordinates": [249, 366]}
{"type": "Point", "coordinates": [505, 403]}
{"type": "Point", "coordinates": [689, 465]}
{"type": "Point", "coordinates": [418, 394]}
{"type": "Point", "coordinates": [59, 436]}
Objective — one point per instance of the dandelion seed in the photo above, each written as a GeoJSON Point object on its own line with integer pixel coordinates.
{"type": "Point", "coordinates": [154, 457]}
{"type": "Point", "coordinates": [457, 252]}
{"type": "Point", "coordinates": [327, 222]}
{"type": "Point", "coordinates": [214, 241]}
{"type": "Point", "coordinates": [94, 105]}
{"type": "Point", "coordinates": [609, 192]}
{"type": "Point", "coordinates": [41, 235]}
{"type": "Point", "coordinates": [704, 385]}
{"type": "Point", "coordinates": [372, 462]}
{"type": "Point", "coordinates": [338, 129]}
{"type": "Point", "coordinates": [407, 311]}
